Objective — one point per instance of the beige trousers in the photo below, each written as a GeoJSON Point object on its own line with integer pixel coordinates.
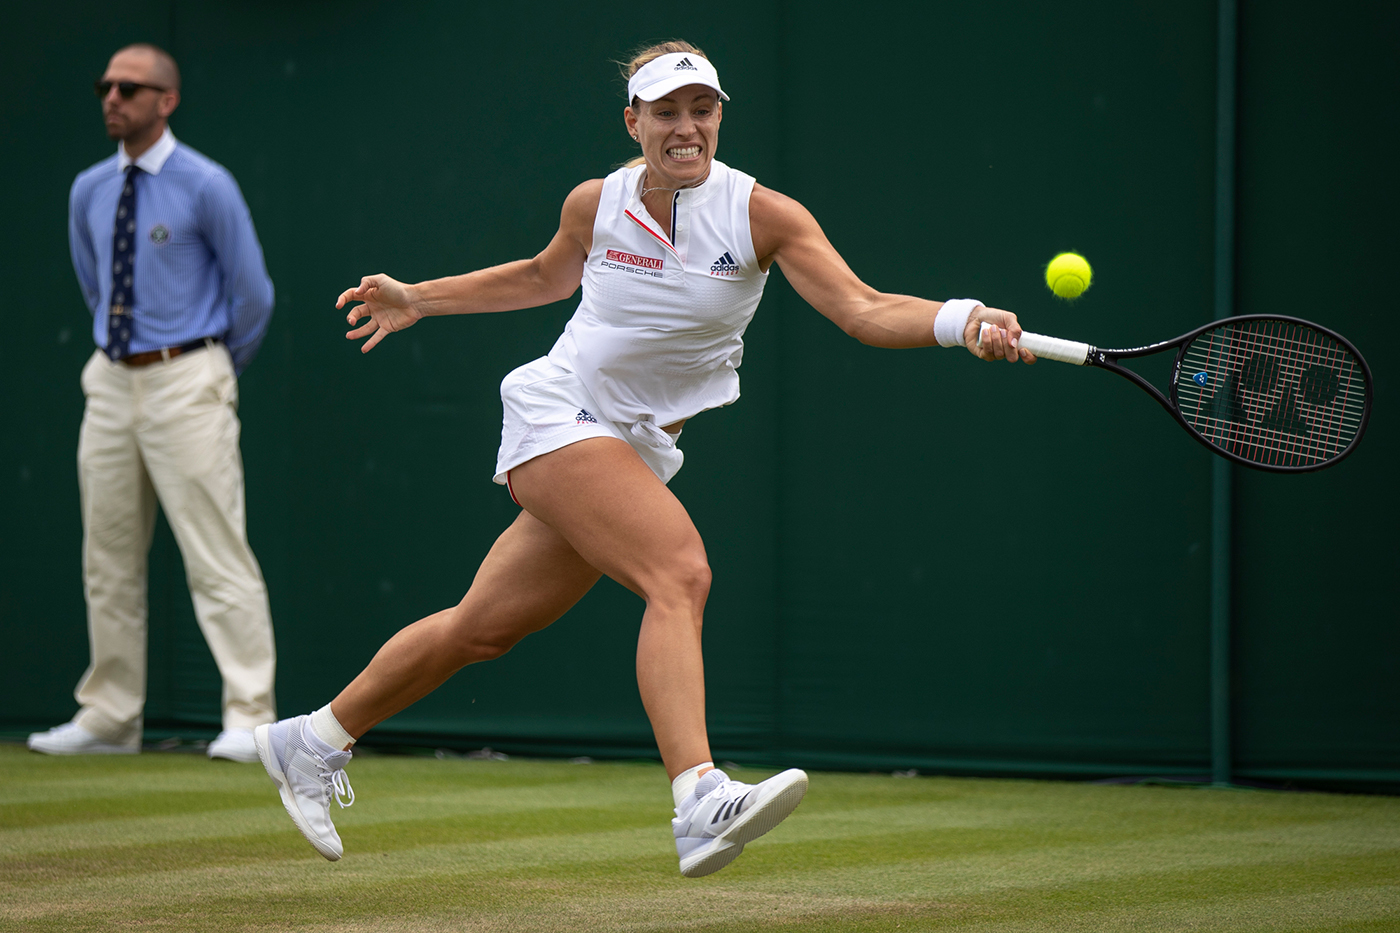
{"type": "Point", "coordinates": [167, 432]}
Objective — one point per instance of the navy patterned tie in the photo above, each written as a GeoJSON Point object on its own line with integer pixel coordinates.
{"type": "Point", "coordinates": [123, 270]}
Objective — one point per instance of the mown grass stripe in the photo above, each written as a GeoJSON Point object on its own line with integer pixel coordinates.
{"type": "Point", "coordinates": [541, 846]}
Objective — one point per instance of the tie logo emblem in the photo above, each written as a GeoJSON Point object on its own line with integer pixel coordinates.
{"type": "Point", "coordinates": [160, 234]}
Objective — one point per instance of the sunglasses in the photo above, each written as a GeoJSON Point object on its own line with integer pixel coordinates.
{"type": "Point", "coordinates": [127, 89]}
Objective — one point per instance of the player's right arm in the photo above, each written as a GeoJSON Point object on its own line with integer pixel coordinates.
{"type": "Point", "coordinates": [553, 275]}
{"type": "Point", "coordinates": [785, 232]}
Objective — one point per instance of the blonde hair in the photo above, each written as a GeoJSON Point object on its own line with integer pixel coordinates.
{"type": "Point", "coordinates": [639, 60]}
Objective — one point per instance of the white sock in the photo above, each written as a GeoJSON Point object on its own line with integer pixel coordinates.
{"type": "Point", "coordinates": [329, 730]}
{"type": "Point", "coordinates": [683, 787]}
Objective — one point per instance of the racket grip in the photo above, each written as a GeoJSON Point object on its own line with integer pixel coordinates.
{"type": "Point", "coordinates": [1048, 348]}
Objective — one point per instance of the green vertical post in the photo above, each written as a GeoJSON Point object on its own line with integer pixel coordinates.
{"type": "Point", "coordinates": [1220, 763]}
{"type": "Point", "coordinates": [1222, 475]}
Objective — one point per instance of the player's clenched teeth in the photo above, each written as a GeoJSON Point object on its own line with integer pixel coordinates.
{"type": "Point", "coordinates": [689, 152]}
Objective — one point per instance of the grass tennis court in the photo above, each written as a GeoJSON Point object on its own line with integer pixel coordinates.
{"type": "Point", "coordinates": [176, 842]}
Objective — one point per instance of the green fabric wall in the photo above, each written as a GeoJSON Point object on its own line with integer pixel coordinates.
{"type": "Point", "coordinates": [1318, 675]}
{"type": "Point", "coordinates": [919, 561]}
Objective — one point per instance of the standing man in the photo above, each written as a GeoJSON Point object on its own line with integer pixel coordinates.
{"type": "Point", "coordinates": [170, 266]}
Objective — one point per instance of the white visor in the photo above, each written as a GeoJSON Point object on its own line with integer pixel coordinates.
{"type": "Point", "coordinates": [662, 75]}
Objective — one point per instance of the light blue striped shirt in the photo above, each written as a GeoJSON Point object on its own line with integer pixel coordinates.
{"type": "Point", "coordinates": [198, 267]}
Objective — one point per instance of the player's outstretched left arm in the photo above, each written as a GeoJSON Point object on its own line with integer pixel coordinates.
{"type": "Point", "coordinates": [786, 232]}
{"type": "Point", "coordinates": [552, 275]}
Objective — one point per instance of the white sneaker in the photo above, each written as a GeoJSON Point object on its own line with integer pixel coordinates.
{"type": "Point", "coordinates": [307, 779]}
{"type": "Point", "coordinates": [725, 815]}
{"type": "Point", "coordinates": [234, 745]}
{"type": "Point", "coordinates": [72, 739]}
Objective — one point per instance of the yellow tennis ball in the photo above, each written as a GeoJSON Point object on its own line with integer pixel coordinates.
{"type": "Point", "coordinates": [1068, 275]}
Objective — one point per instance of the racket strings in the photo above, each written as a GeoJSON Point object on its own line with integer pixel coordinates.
{"type": "Point", "coordinates": [1272, 392]}
{"type": "Point", "coordinates": [1278, 369]}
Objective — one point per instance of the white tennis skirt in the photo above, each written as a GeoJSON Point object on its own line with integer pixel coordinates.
{"type": "Point", "coordinates": [547, 407]}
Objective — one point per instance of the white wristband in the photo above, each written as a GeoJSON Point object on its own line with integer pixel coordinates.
{"type": "Point", "coordinates": [951, 321]}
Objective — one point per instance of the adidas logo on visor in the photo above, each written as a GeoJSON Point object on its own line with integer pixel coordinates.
{"type": "Point", "coordinates": [684, 65]}
{"type": "Point", "coordinates": [725, 265]}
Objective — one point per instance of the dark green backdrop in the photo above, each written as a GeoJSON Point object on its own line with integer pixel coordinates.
{"type": "Point", "coordinates": [920, 560]}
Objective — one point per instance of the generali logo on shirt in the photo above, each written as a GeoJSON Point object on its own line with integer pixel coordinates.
{"type": "Point", "coordinates": [630, 262]}
{"type": "Point", "coordinates": [643, 261]}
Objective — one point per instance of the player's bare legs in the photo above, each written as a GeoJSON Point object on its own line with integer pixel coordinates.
{"type": "Point", "coordinates": [530, 578]}
{"type": "Point", "coordinates": [622, 520]}
{"type": "Point", "coordinates": [605, 511]}
{"type": "Point", "coordinates": [590, 508]}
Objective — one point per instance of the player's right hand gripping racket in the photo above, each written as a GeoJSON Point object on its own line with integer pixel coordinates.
{"type": "Point", "coordinates": [1274, 393]}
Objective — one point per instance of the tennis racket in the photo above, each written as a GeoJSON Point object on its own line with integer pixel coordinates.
{"type": "Point", "coordinates": [1273, 393]}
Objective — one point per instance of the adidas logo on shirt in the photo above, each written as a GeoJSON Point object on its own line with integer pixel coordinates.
{"type": "Point", "coordinates": [684, 65]}
{"type": "Point", "coordinates": [725, 265]}
{"type": "Point", "coordinates": [583, 417]}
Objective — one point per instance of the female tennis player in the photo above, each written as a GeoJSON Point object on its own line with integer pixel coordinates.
{"type": "Point", "coordinates": [672, 251]}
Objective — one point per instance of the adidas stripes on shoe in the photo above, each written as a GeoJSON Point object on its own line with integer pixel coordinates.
{"type": "Point", "coordinates": [308, 775]}
{"type": "Point", "coordinates": [712, 828]}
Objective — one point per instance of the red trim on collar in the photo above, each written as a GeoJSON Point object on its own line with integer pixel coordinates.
{"type": "Point", "coordinates": [660, 239]}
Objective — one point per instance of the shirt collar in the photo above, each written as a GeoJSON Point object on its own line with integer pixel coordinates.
{"type": "Point", "coordinates": [693, 197]}
{"type": "Point", "coordinates": [153, 159]}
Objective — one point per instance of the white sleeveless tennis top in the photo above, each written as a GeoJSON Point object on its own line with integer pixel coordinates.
{"type": "Point", "coordinates": [658, 335]}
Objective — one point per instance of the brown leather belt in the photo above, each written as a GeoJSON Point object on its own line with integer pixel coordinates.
{"type": "Point", "coordinates": [169, 353]}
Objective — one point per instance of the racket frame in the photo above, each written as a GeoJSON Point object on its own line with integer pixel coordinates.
{"type": "Point", "coordinates": [1108, 359]}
